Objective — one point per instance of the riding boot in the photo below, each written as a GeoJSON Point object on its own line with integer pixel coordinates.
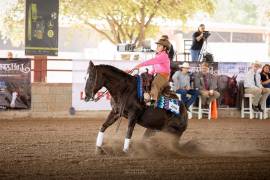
{"type": "Point", "coordinates": [260, 108]}
{"type": "Point", "coordinates": [255, 108]}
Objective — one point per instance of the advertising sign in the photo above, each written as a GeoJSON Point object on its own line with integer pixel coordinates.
{"type": "Point", "coordinates": [41, 22]}
{"type": "Point", "coordinates": [15, 84]}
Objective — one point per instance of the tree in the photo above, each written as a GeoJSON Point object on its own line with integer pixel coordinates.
{"type": "Point", "coordinates": [120, 21]}
{"type": "Point", "coordinates": [12, 23]}
{"type": "Point", "coordinates": [123, 21]}
{"type": "Point", "coordinates": [251, 12]}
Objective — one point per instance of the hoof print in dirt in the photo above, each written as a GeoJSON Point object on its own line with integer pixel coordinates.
{"type": "Point", "coordinates": [100, 151]}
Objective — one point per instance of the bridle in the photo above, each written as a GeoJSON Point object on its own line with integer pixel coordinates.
{"type": "Point", "coordinates": [106, 91]}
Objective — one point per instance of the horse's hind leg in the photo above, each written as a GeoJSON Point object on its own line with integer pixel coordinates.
{"type": "Point", "coordinates": [148, 133]}
{"type": "Point", "coordinates": [112, 117]}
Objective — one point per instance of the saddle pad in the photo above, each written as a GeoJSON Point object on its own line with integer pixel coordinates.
{"type": "Point", "coordinates": [169, 104]}
{"type": "Point", "coordinates": [139, 87]}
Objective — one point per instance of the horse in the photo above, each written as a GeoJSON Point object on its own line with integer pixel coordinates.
{"type": "Point", "coordinates": [123, 89]}
{"type": "Point", "coordinates": [228, 88]}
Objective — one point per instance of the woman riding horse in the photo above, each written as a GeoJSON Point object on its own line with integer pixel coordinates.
{"type": "Point", "coordinates": [123, 89]}
{"type": "Point", "coordinates": [161, 69]}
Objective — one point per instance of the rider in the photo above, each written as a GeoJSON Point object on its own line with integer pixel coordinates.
{"type": "Point", "coordinates": [161, 69]}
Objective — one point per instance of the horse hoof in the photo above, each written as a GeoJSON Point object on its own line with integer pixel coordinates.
{"type": "Point", "coordinates": [99, 151]}
{"type": "Point", "coordinates": [125, 151]}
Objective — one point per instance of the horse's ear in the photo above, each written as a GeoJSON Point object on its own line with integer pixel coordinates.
{"type": "Point", "coordinates": [91, 64]}
{"type": "Point", "coordinates": [234, 76]}
{"type": "Point", "coordinates": [90, 67]}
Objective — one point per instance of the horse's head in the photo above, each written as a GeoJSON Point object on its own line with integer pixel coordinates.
{"type": "Point", "coordinates": [232, 84]}
{"type": "Point", "coordinates": [93, 84]}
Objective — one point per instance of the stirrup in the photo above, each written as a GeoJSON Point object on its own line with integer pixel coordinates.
{"type": "Point", "coordinates": [153, 103]}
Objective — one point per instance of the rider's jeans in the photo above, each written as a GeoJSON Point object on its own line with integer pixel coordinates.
{"type": "Point", "coordinates": [158, 84]}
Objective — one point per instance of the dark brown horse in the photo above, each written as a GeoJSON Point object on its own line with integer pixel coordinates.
{"type": "Point", "coordinates": [123, 90]}
{"type": "Point", "coordinates": [228, 88]}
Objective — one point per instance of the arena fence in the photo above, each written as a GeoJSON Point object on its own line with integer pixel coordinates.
{"type": "Point", "coordinates": [55, 99]}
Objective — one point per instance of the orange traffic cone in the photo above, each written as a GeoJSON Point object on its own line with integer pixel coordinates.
{"type": "Point", "coordinates": [214, 111]}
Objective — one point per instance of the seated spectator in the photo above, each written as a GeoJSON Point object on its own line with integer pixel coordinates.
{"type": "Point", "coordinates": [252, 84]}
{"type": "Point", "coordinates": [265, 80]}
{"type": "Point", "coordinates": [265, 76]}
{"type": "Point", "coordinates": [182, 86]}
{"type": "Point", "coordinates": [206, 83]}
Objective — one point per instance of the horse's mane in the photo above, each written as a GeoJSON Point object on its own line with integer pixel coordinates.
{"type": "Point", "coordinates": [114, 69]}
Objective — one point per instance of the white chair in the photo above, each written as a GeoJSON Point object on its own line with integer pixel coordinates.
{"type": "Point", "coordinates": [266, 111]}
{"type": "Point", "coordinates": [249, 110]}
{"type": "Point", "coordinates": [200, 111]}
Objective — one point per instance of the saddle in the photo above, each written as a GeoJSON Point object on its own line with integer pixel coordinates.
{"type": "Point", "coordinates": [147, 82]}
{"type": "Point", "coordinates": [167, 99]}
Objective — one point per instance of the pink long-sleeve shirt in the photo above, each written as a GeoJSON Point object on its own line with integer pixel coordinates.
{"type": "Point", "coordinates": [160, 63]}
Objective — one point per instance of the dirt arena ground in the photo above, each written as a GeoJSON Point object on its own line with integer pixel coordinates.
{"type": "Point", "coordinates": [65, 149]}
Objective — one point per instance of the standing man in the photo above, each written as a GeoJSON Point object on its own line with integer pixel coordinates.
{"type": "Point", "coordinates": [171, 50]}
{"type": "Point", "coordinates": [182, 86]}
{"type": "Point", "coordinates": [206, 83]}
{"type": "Point", "coordinates": [198, 39]}
{"type": "Point", "coordinates": [252, 84]}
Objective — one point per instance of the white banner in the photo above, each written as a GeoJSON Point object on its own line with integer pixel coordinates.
{"type": "Point", "coordinates": [79, 71]}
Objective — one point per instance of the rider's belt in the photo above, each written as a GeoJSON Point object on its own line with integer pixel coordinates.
{"type": "Point", "coordinates": [165, 75]}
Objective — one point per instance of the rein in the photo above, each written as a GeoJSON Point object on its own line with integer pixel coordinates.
{"type": "Point", "coordinates": [106, 92]}
{"type": "Point", "coordinates": [101, 95]}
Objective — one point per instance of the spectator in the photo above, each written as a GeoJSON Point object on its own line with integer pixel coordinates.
{"type": "Point", "coordinates": [265, 80]}
{"type": "Point", "coordinates": [265, 76]}
{"type": "Point", "coordinates": [182, 86]}
{"type": "Point", "coordinates": [198, 39]}
{"type": "Point", "coordinates": [9, 55]}
{"type": "Point", "coordinates": [252, 84]}
{"type": "Point", "coordinates": [206, 83]}
{"type": "Point", "coordinates": [171, 50]}
{"type": "Point", "coordinates": [161, 69]}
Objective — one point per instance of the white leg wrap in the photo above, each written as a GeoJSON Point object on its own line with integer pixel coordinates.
{"type": "Point", "coordinates": [99, 139]}
{"type": "Point", "coordinates": [126, 144]}
{"type": "Point", "coordinates": [14, 96]}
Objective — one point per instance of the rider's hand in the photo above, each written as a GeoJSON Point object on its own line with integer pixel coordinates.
{"type": "Point", "coordinates": [137, 67]}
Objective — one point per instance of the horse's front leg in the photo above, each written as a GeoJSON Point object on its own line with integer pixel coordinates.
{"type": "Point", "coordinates": [132, 119]}
{"type": "Point", "coordinates": [112, 117]}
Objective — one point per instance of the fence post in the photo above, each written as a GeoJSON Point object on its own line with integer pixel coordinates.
{"type": "Point", "coordinates": [40, 68]}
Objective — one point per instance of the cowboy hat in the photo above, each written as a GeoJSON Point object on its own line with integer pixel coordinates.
{"type": "Point", "coordinates": [257, 63]}
{"type": "Point", "coordinates": [184, 65]}
{"type": "Point", "coordinates": [164, 42]}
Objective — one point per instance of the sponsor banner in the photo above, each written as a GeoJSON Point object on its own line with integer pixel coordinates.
{"type": "Point", "coordinates": [15, 84]}
{"type": "Point", "coordinates": [195, 67]}
{"type": "Point", "coordinates": [41, 22]}
{"type": "Point", "coordinates": [233, 69]}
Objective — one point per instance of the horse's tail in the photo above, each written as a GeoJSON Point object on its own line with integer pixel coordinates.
{"type": "Point", "coordinates": [184, 116]}
{"type": "Point", "coordinates": [240, 94]}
